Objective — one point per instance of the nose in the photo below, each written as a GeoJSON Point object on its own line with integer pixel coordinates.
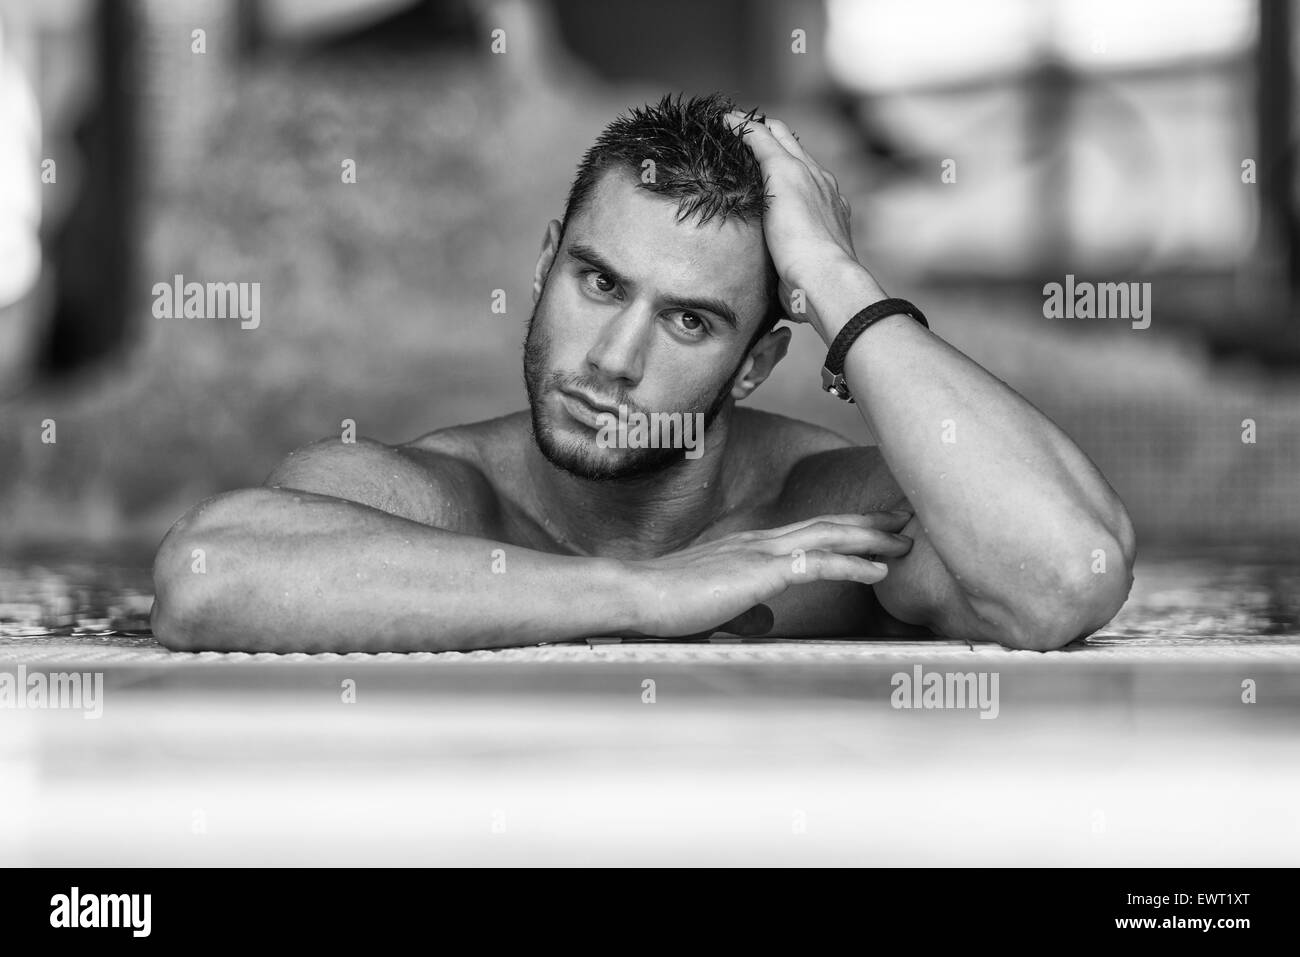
{"type": "Point", "coordinates": [619, 352]}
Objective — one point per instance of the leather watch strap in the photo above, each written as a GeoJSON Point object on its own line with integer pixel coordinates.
{"type": "Point", "coordinates": [833, 372]}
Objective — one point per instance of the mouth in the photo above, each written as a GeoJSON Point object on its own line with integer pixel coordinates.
{"type": "Point", "coordinates": [584, 410]}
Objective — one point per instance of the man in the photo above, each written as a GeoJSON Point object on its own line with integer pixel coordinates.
{"type": "Point", "coordinates": [975, 517]}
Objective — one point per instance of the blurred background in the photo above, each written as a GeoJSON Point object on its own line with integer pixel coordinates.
{"type": "Point", "coordinates": [987, 149]}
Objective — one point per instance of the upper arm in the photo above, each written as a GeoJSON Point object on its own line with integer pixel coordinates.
{"type": "Point", "coordinates": [919, 589]}
{"type": "Point", "coordinates": [424, 486]}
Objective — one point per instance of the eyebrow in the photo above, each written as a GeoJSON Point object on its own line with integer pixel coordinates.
{"type": "Point", "coordinates": [584, 253]}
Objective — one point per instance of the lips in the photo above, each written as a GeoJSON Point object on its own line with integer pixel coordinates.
{"type": "Point", "coordinates": [596, 406]}
{"type": "Point", "coordinates": [584, 409]}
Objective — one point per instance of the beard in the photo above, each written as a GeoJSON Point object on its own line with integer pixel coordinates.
{"type": "Point", "coordinates": [581, 456]}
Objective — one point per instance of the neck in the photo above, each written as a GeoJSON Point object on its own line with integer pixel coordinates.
{"type": "Point", "coordinates": [641, 517]}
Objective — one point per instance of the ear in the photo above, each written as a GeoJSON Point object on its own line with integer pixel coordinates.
{"type": "Point", "coordinates": [760, 362]}
{"type": "Point", "coordinates": [546, 257]}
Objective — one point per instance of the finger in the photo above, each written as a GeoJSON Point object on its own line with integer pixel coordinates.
{"type": "Point", "coordinates": [891, 520]}
{"type": "Point", "coordinates": [844, 539]}
{"type": "Point", "coordinates": [829, 180]}
{"type": "Point", "coordinates": [790, 140]}
{"type": "Point", "coordinates": [831, 566]}
{"type": "Point", "coordinates": [786, 137]}
{"type": "Point", "coordinates": [767, 149]}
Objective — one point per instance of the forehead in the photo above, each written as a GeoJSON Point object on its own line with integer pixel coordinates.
{"type": "Point", "coordinates": [637, 232]}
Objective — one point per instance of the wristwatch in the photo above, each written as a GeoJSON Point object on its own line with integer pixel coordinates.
{"type": "Point", "coordinates": [833, 372]}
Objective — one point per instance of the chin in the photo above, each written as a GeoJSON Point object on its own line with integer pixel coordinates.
{"type": "Point", "coordinates": [572, 448]}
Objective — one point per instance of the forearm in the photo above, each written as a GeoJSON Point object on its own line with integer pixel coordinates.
{"type": "Point", "coordinates": [1016, 514]}
{"type": "Point", "coordinates": [1010, 504]}
{"type": "Point", "coordinates": [288, 571]}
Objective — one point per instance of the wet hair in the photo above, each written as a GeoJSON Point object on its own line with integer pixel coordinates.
{"type": "Point", "coordinates": [698, 161]}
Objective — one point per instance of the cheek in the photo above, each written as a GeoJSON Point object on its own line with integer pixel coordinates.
{"type": "Point", "coordinates": [678, 382]}
{"type": "Point", "coordinates": [569, 319]}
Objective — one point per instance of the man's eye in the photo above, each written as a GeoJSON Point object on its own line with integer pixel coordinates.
{"type": "Point", "coordinates": [600, 282]}
{"type": "Point", "coordinates": [690, 323]}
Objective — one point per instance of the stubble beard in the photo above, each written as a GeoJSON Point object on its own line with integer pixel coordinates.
{"type": "Point", "coordinates": [581, 456]}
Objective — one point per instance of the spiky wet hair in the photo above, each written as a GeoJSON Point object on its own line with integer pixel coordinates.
{"type": "Point", "coordinates": [698, 161]}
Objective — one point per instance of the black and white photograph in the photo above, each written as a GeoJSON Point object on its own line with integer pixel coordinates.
{"type": "Point", "coordinates": [623, 434]}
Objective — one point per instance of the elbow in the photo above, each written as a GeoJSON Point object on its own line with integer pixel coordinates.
{"type": "Point", "coordinates": [190, 602]}
{"type": "Point", "coordinates": [171, 630]}
{"type": "Point", "coordinates": [181, 594]}
{"type": "Point", "coordinates": [1077, 583]}
{"type": "Point", "coordinates": [1090, 588]}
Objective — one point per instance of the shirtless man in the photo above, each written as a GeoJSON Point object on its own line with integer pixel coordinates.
{"type": "Point", "coordinates": [662, 294]}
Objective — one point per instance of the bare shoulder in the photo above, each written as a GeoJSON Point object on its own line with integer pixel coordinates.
{"type": "Point", "coordinates": [485, 445]}
{"type": "Point", "coordinates": [770, 446]}
{"type": "Point", "coordinates": [438, 479]}
{"type": "Point", "coordinates": [822, 472]}
{"type": "Point", "coordinates": [776, 431]}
